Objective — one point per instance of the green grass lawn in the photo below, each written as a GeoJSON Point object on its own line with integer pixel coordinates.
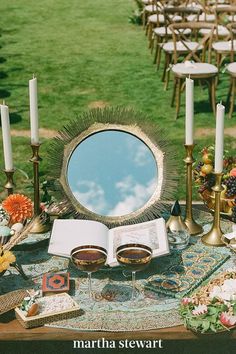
{"type": "Point", "coordinates": [86, 54]}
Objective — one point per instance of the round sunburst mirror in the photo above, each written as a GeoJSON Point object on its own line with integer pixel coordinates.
{"type": "Point", "coordinates": [110, 166]}
{"type": "Point", "coordinates": [119, 180]}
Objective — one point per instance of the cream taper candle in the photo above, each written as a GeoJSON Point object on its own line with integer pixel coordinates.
{"type": "Point", "coordinates": [219, 138]}
{"type": "Point", "coordinates": [6, 137]}
{"type": "Point", "coordinates": [34, 121]}
{"type": "Point", "coordinates": [189, 112]}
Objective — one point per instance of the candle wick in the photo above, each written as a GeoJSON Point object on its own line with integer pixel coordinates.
{"type": "Point", "coordinates": [33, 76]}
{"type": "Point", "coordinates": [3, 102]}
{"type": "Point", "coordinates": [221, 102]}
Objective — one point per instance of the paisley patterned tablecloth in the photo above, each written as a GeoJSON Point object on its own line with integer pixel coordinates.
{"type": "Point", "coordinates": [112, 308]}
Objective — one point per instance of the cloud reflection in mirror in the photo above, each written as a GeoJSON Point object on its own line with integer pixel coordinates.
{"type": "Point", "coordinates": [112, 173]}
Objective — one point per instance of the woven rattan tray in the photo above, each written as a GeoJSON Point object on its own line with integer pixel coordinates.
{"type": "Point", "coordinates": [40, 320]}
{"type": "Point", "coordinates": [12, 299]}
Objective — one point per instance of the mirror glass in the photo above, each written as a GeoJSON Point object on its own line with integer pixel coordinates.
{"type": "Point", "coordinates": [112, 173]}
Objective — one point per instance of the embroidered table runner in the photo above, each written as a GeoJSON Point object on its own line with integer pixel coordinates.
{"type": "Point", "coordinates": [112, 308]}
{"type": "Point", "coordinates": [183, 271]}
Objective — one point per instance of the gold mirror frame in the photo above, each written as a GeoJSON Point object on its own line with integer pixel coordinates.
{"type": "Point", "coordinates": [113, 119]}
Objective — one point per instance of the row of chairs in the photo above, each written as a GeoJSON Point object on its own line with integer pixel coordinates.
{"type": "Point", "coordinates": [188, 43]}
{"type": "Point", "coordinates": [152, 9]}
{"type": "Point", "coordinates": [162, 34]}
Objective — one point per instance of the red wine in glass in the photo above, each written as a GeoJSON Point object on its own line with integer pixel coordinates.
{"type": "Point", "coordinates": [88, 258]}
{"type": "Point", "coordinates": [134, 257]}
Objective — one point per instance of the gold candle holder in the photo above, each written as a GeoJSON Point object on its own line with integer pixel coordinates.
{"type": "Point", "coordinates": [193, 227]}
{"type": "Point", "coordinates": [213, 237]}
{"type": "Point", "coordinates": [10, 183]}
{"type": "Point", "coordinates": [39, 225]}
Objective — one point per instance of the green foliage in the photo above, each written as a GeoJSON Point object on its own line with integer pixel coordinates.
{"type": "Point", "coordinates": [202, 323]}
{"type": "Point", "coordinates": [234, 308]}
{"type": "Point", "coordinates": [136, 17]}
{"type": "Point", "coordinates": [207, 322]}
{"type": "Point", "coordinates": [139, 4]}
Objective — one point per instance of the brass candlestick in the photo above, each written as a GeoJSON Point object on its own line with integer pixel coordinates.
{"type": "Point", "coordinates": [193, 227]}
{"type": "Point", "coordinates": [9, 184]}
{"type": "Point", "coordinates": [39, 226]}
{"type": "Point", "coordinates": [213, 237]}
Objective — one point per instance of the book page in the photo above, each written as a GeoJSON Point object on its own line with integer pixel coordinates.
{"type": "Point", "coordinates": [68, 234]}
{"type": "Point", "coordinates": [151, 233]}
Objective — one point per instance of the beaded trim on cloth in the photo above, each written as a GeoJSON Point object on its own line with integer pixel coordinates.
{"type": "Point", "coordinates": [121, 322]}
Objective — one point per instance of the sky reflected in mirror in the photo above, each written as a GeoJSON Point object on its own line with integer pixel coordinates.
{"type": "Point", "coordinates": [112, 173]}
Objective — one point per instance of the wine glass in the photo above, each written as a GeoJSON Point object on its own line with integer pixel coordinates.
{"type": "Point", "coordinates": [134, 257]}
{"type": "Point", "coordinates": [89, 258]}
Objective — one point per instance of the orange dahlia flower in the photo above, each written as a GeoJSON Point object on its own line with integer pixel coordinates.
{"type": "Point", "coordinates": [19, 207]}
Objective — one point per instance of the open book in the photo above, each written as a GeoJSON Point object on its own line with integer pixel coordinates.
{"type": "Point", "coordinates": [68, 234]}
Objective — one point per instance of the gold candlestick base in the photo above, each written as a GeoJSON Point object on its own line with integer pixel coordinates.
{"type": "Point", "coordinates": [40, 226]}
{"type": "Point", "coordinates": [193, 227]}
{"type": "Point", "coordinates": [9, 184]}
{"type": "Point", "coordinates": [213, 237]}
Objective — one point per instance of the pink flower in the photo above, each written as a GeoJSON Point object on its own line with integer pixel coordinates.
{"type": "Point", "coordinates": [227, 320]}
{"type": "Point", "coordinates": [199, 310]}
{"type": "Point", "coordinates": [186, 300]}
{"type": "Point", "coordinates": [43, 207]}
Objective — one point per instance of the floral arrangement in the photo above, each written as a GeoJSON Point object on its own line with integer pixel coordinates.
{"type": "Point", "coordinates": [14, 211]}
{"type": "Point", "coordinates": [205, 180]}
{"type": "Point", "coordinates": [6, 259]}
{"type": "Point", "coordinates": [19, 207]}
{"type": "Point", "coordinates": [212, 309]}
